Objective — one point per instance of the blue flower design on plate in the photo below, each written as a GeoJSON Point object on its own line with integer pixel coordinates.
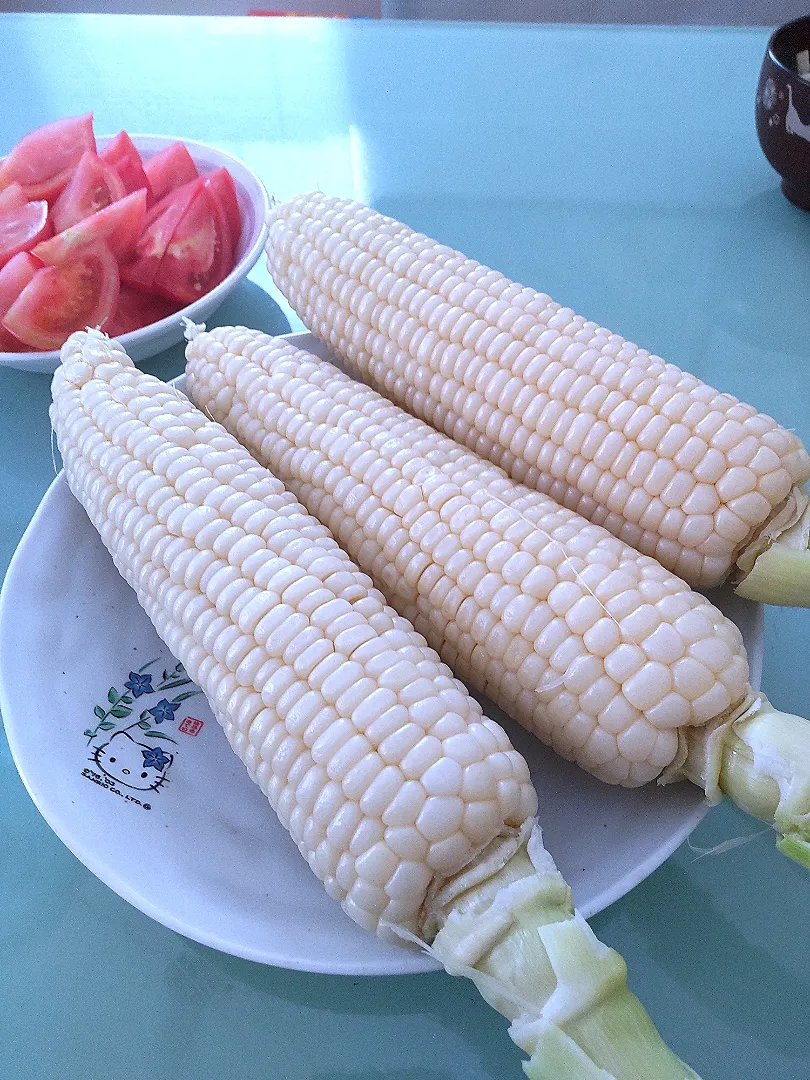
{"type": "Point", "coordinates": [139, 684]}
{"type": "Point", "coordinates": [154, 758]}
{"type": "Point", "coordinates": [164, 710]}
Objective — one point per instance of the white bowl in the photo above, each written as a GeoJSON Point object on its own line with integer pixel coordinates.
{"type": "Point", "coordinates": [254, 205]}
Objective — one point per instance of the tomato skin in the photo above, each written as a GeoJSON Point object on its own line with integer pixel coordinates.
{"type": "Point", "coordinates": [14, 276]}
{"type": "Point", "coordinates": [136, 309]}
{"type": "Point", "coordinates": [92, 186]}
{"type": "Point", "coordinates": [22, 228]}
{"type": "Point", "coordinates": [60, 299]}
{"type": "Point", "coordinates": [120, 224]}
{"type": "Point", "coordinates": [161, 222]}
{"type": "Point", "coordinates": [12, 197]}
{"type": "Point", "coordinates": [122, 155]}
{"type": "Point", "coordinates": [169, 169]}
{"type": "Point", "coordinates": [43, 160]}
{"type": "Point", "coordinates": [222, 188]}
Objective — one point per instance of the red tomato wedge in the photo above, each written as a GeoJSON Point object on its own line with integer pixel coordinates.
{"type": "Point", "coordinates": [153, 244]}
{"type": "Point", "coordinates": [92, 186]}
{"type": "Point", "coordinates": [200, 253]}
{"type": "Point", "coordinates": [23, 227]}
{"type": "Point", "coordinates": [60, 299]}
{"type": "Point", "coordinates": [120, 224]}
{"type": "Point", "coordinates": [14, 276]}
{"type": "Point", "coordinates": [136, 309]}
{"type": "Point", "coordinates": [169, 169]}
{"type": "Point", "coordinates": [42, 161]}
{"type": "Point", "coordinates": [12, 197]}
{"type": "Point", "coordinates": [221, 186]}
{"type": "Point", "coordinates": [122, 155]}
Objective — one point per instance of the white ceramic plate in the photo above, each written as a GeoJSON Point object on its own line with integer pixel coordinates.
{"type": "Point", "coordinates": [203, 852]}
{"type": "Point", "coordinates": [254, 206]}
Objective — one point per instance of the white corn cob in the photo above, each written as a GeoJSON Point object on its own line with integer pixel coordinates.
{"type": "Point", "coordinates": [595, 648]}
{"type": "Point", "coordinates": [409, 805]}
{"type": "Point", "coordinates": [334, 703]}
{"type": "Point", "coordinates": [692, 477]}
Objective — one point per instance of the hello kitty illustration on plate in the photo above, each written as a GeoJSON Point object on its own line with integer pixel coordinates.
{"type": "Point", "coordinates": [124, 761]}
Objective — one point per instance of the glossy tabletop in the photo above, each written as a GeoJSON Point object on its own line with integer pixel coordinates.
{"type": "Point", "coordinates": [617, 169]}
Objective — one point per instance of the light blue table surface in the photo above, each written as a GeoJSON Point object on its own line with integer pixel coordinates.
{"type": "Point", "coordinates": [617, 169]}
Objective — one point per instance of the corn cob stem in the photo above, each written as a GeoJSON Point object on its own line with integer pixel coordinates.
{"type": "Point", "coordinates": [383, 769]}
{"type": "Point", "coordinates": [780, 573]}
{"type": "Point", "coordinates": [515, 933]}
{"type": "Point", "coordinates": [760, 758]}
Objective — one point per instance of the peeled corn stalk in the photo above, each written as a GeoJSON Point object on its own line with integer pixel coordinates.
{"type": "Point", "coordinates": [410, 805]}
{"type": "Point", "coordinates": [700, 481]}
{"type": "Point", "coordinates": [598, 650]}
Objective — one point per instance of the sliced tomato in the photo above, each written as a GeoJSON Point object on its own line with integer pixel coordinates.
{"type": "Point", "coordinates": [136, 309]}
{"type": "Point", "coordinates": [92, 186]}
{"type": "Point", "coordinates": [43, 160]}
{"type": "Point", "coordinates": [122, 155]}
{"type": "Point", "coordinates": [200, 253]}
{"type": "Point", "coordinates": [23, 227]}
{"type": "Point", "coordinates": [155, 241]}
{"type": "Point", "coordinates": [14, 276]}
{"type": "Point", "coordinates": [11, 197]}
{"type": "Point", "coordinates": [120, 224]}
{"type": "Point", "coordinates": [169, 169]}
{"type": "Point", "coordinates": [60, 299]}
{"type": "Point", "coordinates": [222, 188]}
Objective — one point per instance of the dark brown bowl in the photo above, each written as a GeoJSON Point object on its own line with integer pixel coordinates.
{"type": "Point", "coordinates": [783, 110]}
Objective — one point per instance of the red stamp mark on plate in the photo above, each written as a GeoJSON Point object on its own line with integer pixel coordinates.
{"type": "Point", "coordinates": [191, 725]}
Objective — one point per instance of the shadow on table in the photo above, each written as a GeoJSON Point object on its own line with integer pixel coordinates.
{"type": "Point", "coordinates": [455, 1004]}
{"type": "Point", "coordinates": [248, 305]}
{"type": "Point", "coordinates": [761, 278]}
{"type": "Point", "coordinates": [714, 963]}
{"type": "Point", "coordinates": [398, 1074]}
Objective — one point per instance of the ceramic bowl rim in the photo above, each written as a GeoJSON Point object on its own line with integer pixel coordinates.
{"type": "Point", "coordinates": [777, 33]}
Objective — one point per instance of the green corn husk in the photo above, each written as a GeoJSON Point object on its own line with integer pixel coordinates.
{"type": "Point", "coordinates": [760, 758]}
{"type": "Point", "coordinates": [776, 566]}
{"type": "Point", "coordinates": [508, 923]}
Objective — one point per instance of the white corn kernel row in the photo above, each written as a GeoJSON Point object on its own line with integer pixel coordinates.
{"type": "Point", "coordinates": [595, 648]}
{"type": "Point", "coordinates": [664, 462]}
{"type": "Point", "coordinates": [375, 758]}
